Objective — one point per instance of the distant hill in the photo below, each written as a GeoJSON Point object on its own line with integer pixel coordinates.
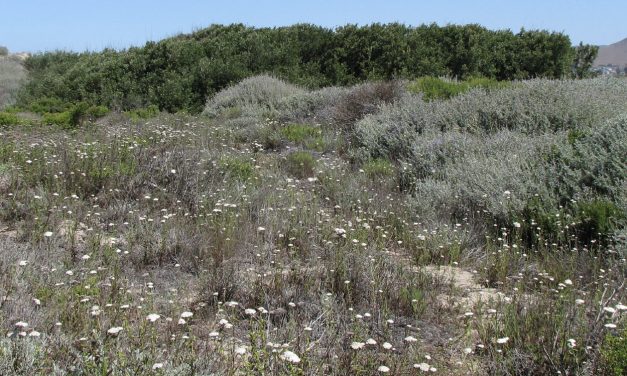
{"type": "Point", "coordinates": [615, 54]}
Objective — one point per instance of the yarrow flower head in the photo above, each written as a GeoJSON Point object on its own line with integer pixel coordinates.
{"type": "Point", "coordinates": [290, 356]}
{"type": "Point", "coordinates": [153, 317]}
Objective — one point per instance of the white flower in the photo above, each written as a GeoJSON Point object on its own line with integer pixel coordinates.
{"type": "Point", "coordinates": [579, 301]}
{"type": "Point", "coordinates": [609, 309]}
{"type": "Point", "coordinates": [241, 350]}
{"type": "Point", "coordinates": [48, 234]}
{"type": "Point", "coordinates": [410, 339]}
{"type": "Point", "coordinates": [182, 321]}
{"type": "Point", "coordinates": [371, 341]}
{"type": "Point", "coordinates": [357, 345]}
{"type": "Point", "coordinates": [214, 334]}
{"type": "Point", "coordinates": [291, 357]}
{"type": "Point", "coordinates": [424, 367]}
{"type": "Point", "coordinates": [621, 307]}
{"type": "Point", "coordinates": [502, 340]}
{"type": "Point", "coordinates": [115, 330]}
{"type": "Point", "coordinates": [250, 312]}
{"type": "Point", "coordinates": [387, 345]}
{"type": "Point", "coordinates": [571, 343]}
{"type": "Point", "coordinates": [153, 317]}
{"type": "Point", "coordinates": [568, 282]}
{"type": "Point", "coordinates": [157, 366]}
{"type": "Point", "coordinates": [34, 333]}
{"type": "Point", "coordinates": [21, 324]}
{"type": "Point", "coordinates": [611, 326]}
{"type": "Point", "coordinates": [186, 315]}
{"type": "Point", "coordinates": [383, 369]}
{"type": "Point", "coordinates": [23, 263]}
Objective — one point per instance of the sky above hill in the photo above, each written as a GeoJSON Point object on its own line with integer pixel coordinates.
{"type": "Point", "coordinates": [78, 25]}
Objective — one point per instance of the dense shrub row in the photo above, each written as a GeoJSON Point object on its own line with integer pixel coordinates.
{"type": "Point", "coordinates": [179, 73]}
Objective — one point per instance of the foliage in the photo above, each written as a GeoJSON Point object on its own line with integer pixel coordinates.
{"type": "Point", "coordinates": [585, 55]}
{"type": "Point", "coordinates": [143, 113]}
{"type": "Point", "coordinates": [614, 354]}
{"type": "Point", "coordinates": [12, 77]}
{"type": "Point", "coordinates": [437, 88]}
{"type": "Point", "coordinates": [7, 118]}
{"type": "Point", "coordinates": [182, 72]}
{"type": "Point", "coordinates": [300, 164]}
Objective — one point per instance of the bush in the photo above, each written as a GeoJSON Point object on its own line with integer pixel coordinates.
{"type": "Point", "coordinates": [63, 119]}
{"type": "Point", "coordinates": [237, 168]}
{"type": "Point", "coordinates": [614, 354]}
{"type": "Point", "coordinates": [255, 95]}
{"type": "Point", "coordinates": [8, 119]}
{"type": "Point", "coordinates": [143, 113]}
{"type": "Point", "coordinates": [362, 100]}
{"type": "Point", "coordinates": [12, 77]}
{"type": "Point", "coordinates": [436, 88]}
{"type": "Point", "coordinates": [301, 164]}
{"type": "Point", "coordinates": [299, 132]}
{"type": "Point", "coordinates": [378, 168]}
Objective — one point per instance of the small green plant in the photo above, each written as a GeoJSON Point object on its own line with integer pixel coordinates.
{"type": "Point", "coordinates": [238, 168]}
{"type": "Point", "coordinates": [597, 218]}
{"type": "Point", "coordinates": [57, 118]}
{"type": "Point", "coordinates": [301, 164]}
{"type": "Point", "coordinates": [378, 168]}
{"type": "Point", "coordinates": [299, 132]}
{"type": "Point", "coordinates": [436, 88]}
{"type": "Point", "coordinates": [614, 354]}
{"type": "Point", "coordinates": [8, 119]}
{"type": "Point", "coordinates": [143, 113]}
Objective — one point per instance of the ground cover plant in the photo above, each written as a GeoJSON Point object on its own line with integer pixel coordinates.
{"type": "Point", "coordinates": [464, 227]}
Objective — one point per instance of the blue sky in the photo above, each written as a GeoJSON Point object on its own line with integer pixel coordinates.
{"type": "Point", "coordinates": [40, 25]}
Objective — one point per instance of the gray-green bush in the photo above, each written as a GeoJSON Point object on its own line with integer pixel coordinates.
{"type": "Point", "coordinates": [12, 75]}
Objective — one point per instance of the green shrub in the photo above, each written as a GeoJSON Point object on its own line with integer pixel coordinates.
{"type": "Point", "coordinates": [597, 219]}
{"type": "Point", "coordinates": [8, 119]}
{"type": "Point", "coordinates": [299, 132]}
{"type": "Point", "coordinates": [237, 168]}
{"type": "Point", "coordinates": [143, 113]}
{"type": "Point", "coordinates": [63, 119]}
{"type": "Point", "coordinates": [96, 112]}
{"type": "Point", "coordinates": [614, 354]}
{"type": "Point", "coordinates": [301, 164]}
{"type": "Point", "coordinates": [48, 105]}
{"type": "Point", "coordinates": [378, 168]}
{"type": "Point", "coordinates": [438, 88]}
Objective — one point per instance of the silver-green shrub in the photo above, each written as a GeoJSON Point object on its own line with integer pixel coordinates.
{"type": "Point", "coordinates": [252, 96]}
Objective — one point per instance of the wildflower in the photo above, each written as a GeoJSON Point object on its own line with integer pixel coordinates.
{"type": "Point", "coordinates": [579, 301]}
{"type": "Point", "coordinates": [21, 324]}
{"type": "Point", "coordinates": [186, 315]}
{"type": "Point", "coordinates": [621, 307]}
{"type": "Point", "coordinates": [291, 357]}
{"type": "Point", "coordinates": [357, 345]}
{"type": "Point", "coordinates": [241, 350]}
{"type": "Point", "coordinates": [571, 343]}
{"type": "Point", "coordinates": [23, 263]}
{"type": "Point", "coordinates": [34, 333]}
{"type": "Point", "coordinates": [609, 309]}
{"type": "Point", "coordinates": [387, 345]}
{"type": "Point", "coordinates": [182, 321]}
{"type": "Point", "coordinates": [424, 367]}
{"type": "Point", "coordinates": [568, 282]}
{"type": "Point", "coordinates": [610, 326]}
{"type": "Point", "coordinates": [214, 334]}
{"type": "Point", "coordinates": [48, 234]}
{"type": "Point", "coordinates": [383, 369]}
{"type": "Point", "coordinates": [153, 317]}
{"type": "Point", "coordinates": [250, 312]}
{"type": "Point", "coordinates": [517, 224]}
{"type": "Point", "coordinates": [157, 366]}
{"type": "Point", "coordinates": [410, 339]}
{"type": "Point", "coordinates": [502, 340]}
{"type": "Point", "coordinates": [115, 330]}
{"type": "Point", "coordinates": [371, 342]}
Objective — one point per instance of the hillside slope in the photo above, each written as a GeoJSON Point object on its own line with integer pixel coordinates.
{"type": "Point", "coordinates": [615, 54]}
